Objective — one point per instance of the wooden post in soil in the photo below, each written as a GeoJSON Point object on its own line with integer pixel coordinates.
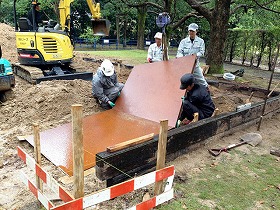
{"type": "Point", "coordinates": [161, 153]}
{"type": "Point", "coordinates": [78, 150]}
{"type": "Point", "coordinates": [37, 151]}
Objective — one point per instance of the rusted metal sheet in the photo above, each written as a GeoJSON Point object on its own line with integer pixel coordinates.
{"type": "Point", "coordinates": [100, 131]}
{"type": "Point", "coordinates": [152, 90]}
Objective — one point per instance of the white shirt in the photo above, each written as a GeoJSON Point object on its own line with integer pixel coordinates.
{"type": "Point", "coordinates": [187, 47]}
{"type": "Point", "coordinates": [155, 53]}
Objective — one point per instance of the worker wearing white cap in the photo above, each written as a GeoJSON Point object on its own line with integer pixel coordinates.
{"type": "Point", "coordinates": [105, 85]}
{"type": "Point", "coordinates": [155, 51]}
{"type": "Point", "coordinates": [193, 45]}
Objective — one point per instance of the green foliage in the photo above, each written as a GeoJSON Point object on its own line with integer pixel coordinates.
{"type": "Point", "coordinates": [88, 34]}
{"type": "Point", "coordinates": [251, 44]}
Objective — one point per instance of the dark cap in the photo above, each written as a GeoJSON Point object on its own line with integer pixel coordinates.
{"type": "Point", "coordinates": [186, 80]}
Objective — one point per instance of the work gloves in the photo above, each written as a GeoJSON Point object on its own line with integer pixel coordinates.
{"type": "Point", "coordinates": [178, 123]}
{"type": "Point", "coordinates": [111, 104]}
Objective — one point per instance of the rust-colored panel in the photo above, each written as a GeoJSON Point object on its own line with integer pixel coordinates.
{"type": "Point", "coordinates": [100, 131]}
{"type": "Point", "coordinates": [152, 90]}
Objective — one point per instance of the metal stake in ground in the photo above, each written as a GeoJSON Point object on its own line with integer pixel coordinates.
{"type": "Point", "coordinates": [37, 151]}
{"type": "Point", "coordinates": [161, 153]}
{"type": "Point", "coordinates": [269, 85]}
{"type": "Point", "coordinates": [78, 150]}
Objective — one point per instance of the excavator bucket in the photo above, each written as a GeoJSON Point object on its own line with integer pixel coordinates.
{"type": "Point", "coordinates": [100, 27]}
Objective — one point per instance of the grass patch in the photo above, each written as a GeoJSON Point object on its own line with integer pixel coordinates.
{"type": "Point", "coordinates": [132, 56]}
{"type": "Point", "coordinates": [249, 183]}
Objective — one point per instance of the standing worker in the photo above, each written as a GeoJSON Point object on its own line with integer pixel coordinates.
{"type": "Point", "coordinates": [155, 51]}
{"type": "Point", "coordinates": [105, 86]}
{"type": "Point", "coordinates": [38, 14]}
{"type": "Point", "coordinates": [197, 100]}
{"type": "Point", "coordinates": [193, 45]}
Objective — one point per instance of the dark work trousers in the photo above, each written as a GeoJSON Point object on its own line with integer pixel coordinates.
{"type": "Point", "coordinates": [189, 110]}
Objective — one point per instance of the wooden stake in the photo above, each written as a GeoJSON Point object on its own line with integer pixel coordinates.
{"type": "Point", "coordinates": [37, 151]}
{"type": "Point", "coordinates": [215, 112]}
{"type": "Point", "coordinates": [195, 117]}
{"type": "Point", "coordinates": [78, 150]}
{"type": "Point", "coordinates": [161, 153]}
{"type": "Point", "coordinates": [250, 98]}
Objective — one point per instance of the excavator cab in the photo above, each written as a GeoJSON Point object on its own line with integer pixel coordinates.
{"type": "Point", "coordinates": [100, 27]}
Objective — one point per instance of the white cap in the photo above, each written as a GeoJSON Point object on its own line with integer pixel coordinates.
{"type": "Point", "coordinates": [158, 35]}
{"type": "Point", "coordinates": [107, 68]}
{"type": "Point", "coordinates": [193, 27]}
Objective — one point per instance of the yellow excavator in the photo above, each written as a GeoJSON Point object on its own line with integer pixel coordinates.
{"type": "Point", "coordinates": [45, 51]}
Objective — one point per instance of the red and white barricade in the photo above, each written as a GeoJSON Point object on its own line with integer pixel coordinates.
{"type": "Point", "coordinates": [166, 173]}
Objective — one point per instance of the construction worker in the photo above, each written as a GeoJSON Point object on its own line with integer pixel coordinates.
{"type": "Point", "coordinates": [38, 14]}
{"type": "Point", "coordinates": [197, 100]}
{"type": "Point", "coordinates": [105, 85]}
{"type": "Point", "coordinates": [155, 51]}
{"type": "Point", "coordinates": [193, 45]}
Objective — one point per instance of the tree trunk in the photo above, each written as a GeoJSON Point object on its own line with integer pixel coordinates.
{"type": "Point", "coordinates": [232, 50]}
{"type": "Point", "coordinates": [218, 34]}
{"type": "Point", "coordinates": [263, 45]}
{"type": "Point", "coordinates": [124, 32]}
{"type": "Point", "coordinates": [142, 13]}
{"type": "Point", "coordinates": [244, 56]}
{"type": "Point", "coordinates": [118, 28]}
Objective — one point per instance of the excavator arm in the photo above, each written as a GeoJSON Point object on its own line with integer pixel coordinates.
{"type": "Point", "coordinates": [100, 26]}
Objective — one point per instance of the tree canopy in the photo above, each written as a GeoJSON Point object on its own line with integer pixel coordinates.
{"type": "Point", "coordinates": [137, 19]}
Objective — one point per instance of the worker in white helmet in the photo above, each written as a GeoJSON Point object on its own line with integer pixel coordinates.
{"type": "Point", "coordinates": [105, 85]}
{"type": "Point", "coordinates": [155, 51]}
{"type": "Point", "coordinates": [193, 45]}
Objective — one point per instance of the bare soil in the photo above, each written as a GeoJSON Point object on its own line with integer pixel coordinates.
{"type": "Point", "coordinates": [49, 105]}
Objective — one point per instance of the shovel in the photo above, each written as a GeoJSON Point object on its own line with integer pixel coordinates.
{"type": "Point", "coordinates": [252, 139]}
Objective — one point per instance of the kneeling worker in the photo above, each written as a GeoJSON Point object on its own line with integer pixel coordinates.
{"type": "Point", "coordinates": [197, 100]}
{"type": "Point", "coordinates": [105, 86]}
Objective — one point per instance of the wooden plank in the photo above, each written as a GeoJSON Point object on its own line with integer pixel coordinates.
{"type": "Point", "coordinates": [69, 179]}
{"type": "Point", "coordinates": [161, 153]}
{"type": "Point", "coordinates": [78, 150]}
{"type": "Point", "coordinates": [37, 151]}
{"type": "Point", "coordinates": [130, 143]}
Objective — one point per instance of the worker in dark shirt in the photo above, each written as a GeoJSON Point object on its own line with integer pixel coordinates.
{"type": "Point", "coordinates": [197, 100]}
{"type": "Point", "coordinates": [38, 15]}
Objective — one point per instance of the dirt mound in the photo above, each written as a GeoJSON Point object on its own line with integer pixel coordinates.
{"type": "Point", "coordinates": [8, 42]}
{"type": "Point", "coordinates": [48, 104]}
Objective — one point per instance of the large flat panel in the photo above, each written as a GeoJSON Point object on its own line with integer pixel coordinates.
{"type": "Point", "coordinates": [152, 90]}
{"type": "Point", "coordinates": [100, 131]}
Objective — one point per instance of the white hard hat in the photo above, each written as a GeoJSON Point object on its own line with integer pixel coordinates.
{"type": "Point", "coordinates": [107, 68]}
{"type": "Point", "coordinates": [158, 35]}
{"type": "Point", "coordinates": [193, 27]}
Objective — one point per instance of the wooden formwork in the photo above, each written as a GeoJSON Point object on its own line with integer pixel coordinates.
{"type": "Point", "coordinates": [140, 158]}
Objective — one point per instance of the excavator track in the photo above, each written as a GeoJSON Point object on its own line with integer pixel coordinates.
{"type": "Point", "coordinates": [28, 73]}
{"type": "Point", "coordinates": [35, 75]}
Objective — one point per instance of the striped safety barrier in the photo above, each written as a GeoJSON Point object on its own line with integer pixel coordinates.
{"type": "Point", "coordinates": [44, 176]}
{"type": "Point", "coordinates": [102, 195]}
{"type": "Point", "coordinates": [38, 194]}
{"type": "Point", "coordinates": [126, 187]}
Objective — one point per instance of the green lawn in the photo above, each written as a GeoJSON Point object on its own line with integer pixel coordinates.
{"type": "Point", "coordinates": [130, 56]}
{"type": "Point", "coordinates": [252, 182]}
{"type": "Point", "coordinates": [133, 57]}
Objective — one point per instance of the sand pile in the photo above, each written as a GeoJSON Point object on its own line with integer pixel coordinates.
{"type": "Point", "coordinates": [8, 42]}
